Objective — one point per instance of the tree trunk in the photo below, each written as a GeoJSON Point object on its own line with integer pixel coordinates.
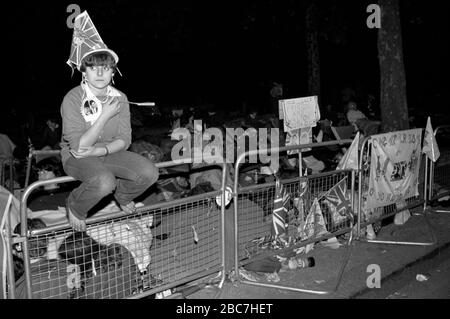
{"type": "Point", "coordinates": [312, 47]}
{"type": "Point", "coordinates": [393, 102]}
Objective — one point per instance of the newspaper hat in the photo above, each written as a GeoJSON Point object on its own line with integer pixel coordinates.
{"type": "Point", "coordinates": [86, 40]}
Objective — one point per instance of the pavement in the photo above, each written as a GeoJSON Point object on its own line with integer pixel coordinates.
{"type": "Point", "coordinates": [398, 265]}
{"type": "Point", "coordinates": [436, 286]}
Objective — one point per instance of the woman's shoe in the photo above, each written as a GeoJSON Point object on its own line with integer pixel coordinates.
{"type": "Point", "coordinates": [129, 208]}
{"type": "Point", "coordinates": [76, 223]}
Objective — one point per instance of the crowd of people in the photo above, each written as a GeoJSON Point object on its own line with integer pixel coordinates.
{"type": "Point", "coordinates": [93, 132]}
{"type": "Point", "coordinates": [155, 144]}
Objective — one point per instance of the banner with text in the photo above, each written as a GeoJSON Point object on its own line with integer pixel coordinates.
{"type": "Point", "coordinates": [299, 116]}
{"type": "Point", "coordinates": [394, 167]}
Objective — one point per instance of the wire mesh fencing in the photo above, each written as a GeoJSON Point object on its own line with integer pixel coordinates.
{"type": "Point", "coordinates": [256, 206]}
{"type": "Point", "coordinates": [128, 256]}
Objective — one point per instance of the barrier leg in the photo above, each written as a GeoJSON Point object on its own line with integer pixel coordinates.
{"type": "Point", "coordinates": [425, 186]}
{"type": "Point", "coordinates": [222, 211]}
{"type": "Point", "coordinates": [430, 243]}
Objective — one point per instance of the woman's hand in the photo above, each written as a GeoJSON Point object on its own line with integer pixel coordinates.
{"type": "Point", "coordinates": [89, 151]}
{"type": "Point", "coordinates": [111, 108]}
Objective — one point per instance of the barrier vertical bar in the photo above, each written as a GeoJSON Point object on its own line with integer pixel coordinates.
{"type": "Point", "coordinates": [430, 188]}
{"type": "Point", "coordinates": [222, 210]}
{"type": "Point", "coordinates": [425, 185]}
{"type": "Point", "coordinates": [235, 203]}
{"type": "Point", "coordinates": [8, 252]}
{"type": "Point", "coordinates": [360, 182]}
{"type": "Point", "coordinates": [26, 257]}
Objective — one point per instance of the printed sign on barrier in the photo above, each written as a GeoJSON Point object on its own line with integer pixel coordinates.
{"type": "Point", "coordinates": [299, 112]}
{"type": "Point", "coordinates": [394, 167]}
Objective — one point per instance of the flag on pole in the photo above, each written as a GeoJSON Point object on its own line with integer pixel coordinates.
{"type": "Point", "coordinates": [300, 201]}
{"type": "Point", "coordinates": [338, 197]}
{"type": "Point", "coordinates": [314, 225]}
{"type": "Point", "coordinates": [430, 146]}
{"type": "Point", "coordinates": [350, 159]}
{"type": "Point", "coordinates": [280, 212]}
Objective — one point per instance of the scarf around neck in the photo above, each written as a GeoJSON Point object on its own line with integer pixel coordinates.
{"type": "Point", "coordinates": [91, 106]}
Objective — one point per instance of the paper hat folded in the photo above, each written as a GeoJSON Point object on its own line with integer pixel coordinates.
{"type": "Point", "coordinates": [86, 40]}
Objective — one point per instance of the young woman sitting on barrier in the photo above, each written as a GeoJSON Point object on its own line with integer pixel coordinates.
{"type": "Point", "coordinates": [95, 143]}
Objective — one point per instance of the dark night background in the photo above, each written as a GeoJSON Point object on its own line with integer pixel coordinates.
{"type": "Point", "coordinates": [224, 55]}
{"type": "Point", "coordinates": [222, 52]}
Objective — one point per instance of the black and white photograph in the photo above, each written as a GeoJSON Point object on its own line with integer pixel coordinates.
{"type": "Point", "coordinates": [225, 155]}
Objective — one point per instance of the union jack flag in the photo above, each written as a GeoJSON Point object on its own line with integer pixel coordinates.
{"type": "Point", "coordinates": [280, 212]}
{"type": "Point", "coordinates": [339, 197]}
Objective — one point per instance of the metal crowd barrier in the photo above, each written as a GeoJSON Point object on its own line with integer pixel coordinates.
{"type": "Point", "coordinates": [193, 249]}
{"type": "Point", "coordinates": [440, 171]}
{"type": "Point", "coordinates": [253, 206]}
{"type": "Point", "coordinates": [381, 213]}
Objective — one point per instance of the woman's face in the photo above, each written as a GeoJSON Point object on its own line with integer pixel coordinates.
{"type": "Point", "coordinates": [98, 76]}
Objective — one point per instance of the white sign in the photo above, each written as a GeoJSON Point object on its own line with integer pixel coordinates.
{"type": "Point", "coordinates": [299, 112]}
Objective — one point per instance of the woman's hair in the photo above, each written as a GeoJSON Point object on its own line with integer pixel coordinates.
{"type": "Point", "coordinates": [98, 59]}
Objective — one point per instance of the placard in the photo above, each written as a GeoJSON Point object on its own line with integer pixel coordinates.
{"type": "Point", "coordinates": [299, 112]}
